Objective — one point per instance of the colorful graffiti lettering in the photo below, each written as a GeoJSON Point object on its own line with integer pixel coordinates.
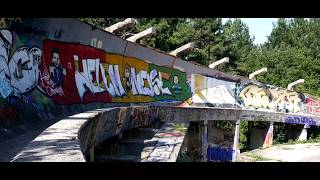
{"type": "Point", "coordinates": [96, 76]}
{"type": "Point", "coordinates": [269, 98]}
{"type": "Point", "coordinates": [212, 90]}
{"type": "Point", "coordinates": [313, 105]}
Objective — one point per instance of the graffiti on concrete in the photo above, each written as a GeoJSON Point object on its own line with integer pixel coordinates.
{"type": "Point", "coordinates": [21, 71]}
{"type": "Point", "coordinates": [139, 117]}
{"type": "Point", "coordinates": [300, 120]}
{"type": "Point", "coordinates": [37, 74]}
{"type": "Point", "coordinates": [263, 97]}
{"type": "Point", "coordinates": [5, 87]}
{"type": "Point", "coordinates": [212, 90]}
{"type": "Point", "coordinates": [313, 105]}
{"type": "Point", "coordinates": [47, 85]}
{"type": "Point", "coordinates": [24, 69]}
{"type": "Point", "coordinates": [98, 76]}
{"type": "Point", "coordinates": [219, 154]}
{"type": "Point", "coordinates": [47, 76]}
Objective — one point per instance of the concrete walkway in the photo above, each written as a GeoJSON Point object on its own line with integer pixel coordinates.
{"type": "Point", "coordinates": [10, 147]}
{"type": "Point", "coordinates": [58, 143]}
{"type": "Point", "coordinates": [308, 152]}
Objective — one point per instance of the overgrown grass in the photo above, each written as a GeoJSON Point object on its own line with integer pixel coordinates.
{"type": "Point", "coordinates": [257, 157]}
{"type": "Point", "coordinates": [291, 142]}
{"type": "Point", "coordinates": [180, 127]}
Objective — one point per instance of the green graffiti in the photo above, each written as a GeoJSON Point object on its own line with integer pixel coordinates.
{"type": "Point", "coordinates": [175, 81]}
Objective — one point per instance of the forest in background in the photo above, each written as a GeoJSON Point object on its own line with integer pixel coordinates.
{"type": "Point", "coordinates": [291, 52]}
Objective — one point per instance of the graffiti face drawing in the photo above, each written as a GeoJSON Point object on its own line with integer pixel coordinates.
{"type": "Point", "coordinates": [127, 78]}
{"type": "Point", "coordinates": [56, 70]}
{"type": "Point", "coordinates": [176, 88]}
{"type": "Point", "coordinates": [24, 69]}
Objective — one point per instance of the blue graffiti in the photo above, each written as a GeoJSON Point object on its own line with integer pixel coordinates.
{"type": "Point", "coordinates": [300, 120]}
{"type": "Point", "coordinates": [219, 154]}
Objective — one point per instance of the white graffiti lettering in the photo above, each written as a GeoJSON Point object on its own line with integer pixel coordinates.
{"type": "Point", "coordinates": [141, 83]}
{"type": "Point", "coordinates": [84, 79]}
{"type": "Point", "coordinates": [21, 73]}
{"type": "Point", "coordinates": [24, 69]}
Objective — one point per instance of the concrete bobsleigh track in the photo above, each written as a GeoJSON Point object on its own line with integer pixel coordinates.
{"type": "Point", "coordinates": [98, 85]}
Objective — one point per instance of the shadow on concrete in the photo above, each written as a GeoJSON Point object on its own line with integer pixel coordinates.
{"type": "Point", "coordinates": [51, 150]}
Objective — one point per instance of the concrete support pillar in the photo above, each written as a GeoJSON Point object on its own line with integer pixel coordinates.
{"type": "Point", "coordinates": [236, 141]}
{"type": "Point", "coordinates": [204, 141]}
{"type": "Point", "coordinates": [269, 137]}
{"type": "Point", "coordinates": [304, 133]}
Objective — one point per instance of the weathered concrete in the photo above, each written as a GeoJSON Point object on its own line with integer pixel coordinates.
{"type": "Point", "coordinates": [236, 141]}
{"type": "Point", "coordinates": [171, 114]}
{"type": "Point", "coordinates": [204, 138]}
{"type": "Point", "coordinates": [304, 134]}
{"type": "Point", "coordinates": [57, 143]}
{"type": "Point", "coordinates": [74, 138]}
{"type": "Point", "coordinates": [268, 140]}
{"type": "Point", "coordinates": [169, 141]}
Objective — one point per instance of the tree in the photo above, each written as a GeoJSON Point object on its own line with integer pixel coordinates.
{"type": "Point", "coordinates": [237, 43]}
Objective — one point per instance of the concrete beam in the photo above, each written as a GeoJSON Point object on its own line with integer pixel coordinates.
{"type": "Point", "coordinates": [268, 140]}
{"type": "Point", "coordinates": [258, 72]}
{"type": "Point", "coordinates": [295, 83]}
{"type": "Point", "coordinates": [142, 34]}
{"type": "Point", "coordinates": [304, 133]}
{"type": "Point", "coordinates": [120, 25]}
{"type": "Point", "coordinates": [236, 141]}
{"type": "Point", "coordinates": [204, 139]}
{"type": "Point", "coordinates": [182, 48]}
{"type": "Point", "coordinates": [220, 62]}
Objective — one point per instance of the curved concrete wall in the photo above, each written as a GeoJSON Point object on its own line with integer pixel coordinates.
{"type": "Point", "coordinates": [52, 68]}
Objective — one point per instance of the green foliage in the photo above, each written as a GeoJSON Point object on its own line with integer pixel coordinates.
{"type": "Point", "coordinates": [224, 125]}
{"type": "Point", "coordinates": [213, 40]}
{"type": "Point", "coordinates": [244, 134]}
{"type": "Point", "coordinates": [101, 22]}
{"type": "Point", "coordinates": [290, 53]}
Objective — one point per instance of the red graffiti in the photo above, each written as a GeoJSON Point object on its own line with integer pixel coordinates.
{"type": "Point", "coordinates": [314, 106]}
{"type": "Point", "coordinates": [48, 85]}
{"type": "Point", "coordinates": [58, 69]}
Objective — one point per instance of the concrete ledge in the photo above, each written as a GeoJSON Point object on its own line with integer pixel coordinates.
{"type": "Point", "coordinates": [74, 138]}
{"type": "Point", "coordinates": [168, 145]}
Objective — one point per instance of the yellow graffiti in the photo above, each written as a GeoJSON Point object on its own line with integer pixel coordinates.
{"type": "Point", "coordinates": [293, 98]}
{"type": "Point", "coordinates": [257, 97]}
{"type": "Point", "coordinates": [2, 23]}
{"type": "Point", "coordinates": [132, 62]}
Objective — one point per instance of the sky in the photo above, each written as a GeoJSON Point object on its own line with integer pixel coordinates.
{"type": "Point", "coordinates": [260, 28]}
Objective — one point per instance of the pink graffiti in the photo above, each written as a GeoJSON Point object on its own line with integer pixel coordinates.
{"type": "Point", "coordinates": [48, 85]}
{"type": "Point", "coordinates": [314, 106]}
{"type": "Point", "coordinates": [169, 134]}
